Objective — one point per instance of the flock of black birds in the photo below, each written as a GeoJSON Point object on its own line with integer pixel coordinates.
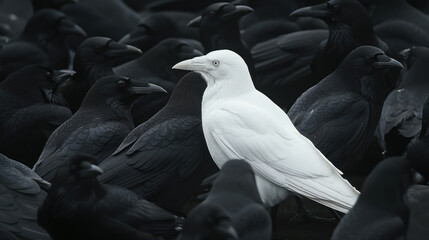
{"type": "Point", "coordinates": [101, 139]}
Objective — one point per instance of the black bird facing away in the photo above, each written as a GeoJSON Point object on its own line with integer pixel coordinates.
{"type": "Point", "coordinates": [31, 108]}
{"type": "Point", "coordinates": [340, 114]}
{"type": "Point", "coordinates": [21, 192]}
{"type": "Point", "coordinates": [42, 42]}
{"type": "Point", "coordinates": [94, 59]}
{"type": "Point", "coordinates": [78, 206]}
{"type": "Point", "coordinates": [165, 159]}
{"type": "Point", "coordinates": [219, 29]}
{"type": "Point", "coordinates": [98, 127]}
{"type": "Point", "coordinates": [401, 117]}
{"type": "Point", "coordinates": [232, 210]}
{"type": "Point", "coordinates": [380, 212]}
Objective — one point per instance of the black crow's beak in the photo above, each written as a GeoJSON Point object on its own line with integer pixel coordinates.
{"type": "Point", "coordinates": [317, 11]}
{"type": "Point", "coordinates": [385, 62]}
{"type": "Point", "coordinates": [62, 75]}
{"type": "Point", "coordinates": [67, 27]}
{"type": "Point", "coordinates": [138, 37]}
{"type": "Point", "coordinates": [118, 49]}
{"type": "Point", "coordinates": [239, 11]}
{"type": "Point", "coordinates": [142, 88]}
{"type": "Point", "coordinates": [89, 170]}
{"type": "Point", "coordinates": [195, 23]}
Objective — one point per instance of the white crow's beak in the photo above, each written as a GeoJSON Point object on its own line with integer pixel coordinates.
{"type": "Point", "coordinates": [196, 64]}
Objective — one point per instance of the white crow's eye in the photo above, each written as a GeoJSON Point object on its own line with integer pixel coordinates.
{"type": "Point", "coordinates": [216, 63]}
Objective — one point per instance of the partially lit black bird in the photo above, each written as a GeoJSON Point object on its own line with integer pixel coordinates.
{"type": "Point", "coordinates": [401, 117]}
{"type": "Point", "coordinates": [340, 114]}
{"type": "Point", "coordinates": [79, 207]}
{"type": "Point", "coordinates": [232, 210]}
{"type": "Point", "coordinates": [165, 159]}
{"type": "Point", "coordinates": [21, 192]}
{"type": "Point", "coordinates": [98, 127]}
{"type": "Point", "coordinates": [94, 59]}
{"type": "Point", "coordinates": [380, 212]}
{"type": "Point", "coordinates": [31, 108]}
{"type": "Point", "coordinates": [42, 42]}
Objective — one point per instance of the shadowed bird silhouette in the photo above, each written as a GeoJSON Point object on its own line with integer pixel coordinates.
{"type": "Point", "coordinates": [90, 210]}
{"type": "Point", "coordinates": [340, 113]}
{"type": "Point", "coordinates": [22, 191]}
{"type": "Point", "coordinates": [417, 201]}
{"type": "Point", "coordinates": [42, 42]}
{"type": "Point", "coordinates": [94, 59]}
{"type": "Point", "coordinates": [98, 127]}
{"type": "Point", "coordinates": [155, 66]}
{"type": "Point", "coordinates": [380, 212]}
{"type": "Point", "coordinates": [239, 122]}
{"type": "Point", "coordinates": [219, 29]}
{"type": "Point", "coordinates": [30, 110]}
{"type": "Point", "coordinates": [306, 59]}
{"type": "Point", "coordinates": [165, 158]}
{"type": "Point", "coordinates": [401, 117]}
{"type": "Point", "coordinates": [157, 26]}
{"type": "Point", "coordinates": [232, 210]}
{"type": "Point", "coordinates": [108, 18]}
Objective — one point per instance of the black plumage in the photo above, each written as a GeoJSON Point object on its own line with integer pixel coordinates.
{"type": "Point", "coordinates": [42, 42]}
{"type": "Point", "coordinates": [401, 117]}
{"type": "Point", "coordinates": [21, 192]}
{"type": "Point", "coordinates": [380, 212]}
{"type": "Point", "coordinates": [219, 29]}
{"type": "Point", "coordinates": [30, 110]}
{"type": "Point", "coordinates": [98, 127]}
{"type": "Point", "coordinates": [95, 58]}
{"type": "Point", "coordinates": [165, 158]}
{"type": "Point", "coordinates": [340, 114]}
{"type": "Point", "coordinates": [79, 207]}
{"type": "Point", "coordinates": [417, 201]}
{"type": "Point", "coordinates": [232, 210]}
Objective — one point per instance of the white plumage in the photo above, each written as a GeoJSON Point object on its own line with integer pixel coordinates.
{"type": "Point", "coordinates": [239, 122]}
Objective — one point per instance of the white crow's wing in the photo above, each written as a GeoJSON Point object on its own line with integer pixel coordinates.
{"type": "Point", "coordinates": [278, 152]}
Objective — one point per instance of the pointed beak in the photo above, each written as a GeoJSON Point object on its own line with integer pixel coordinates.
{"type": "Point", "coordinates": [117, 50]}
{"type": "Point", "coordinates": [195, 64]}
{"type": "Point", "coordinates": [317, 11]}
{"type": "Point", "coordinates": [62, 75]}
{"type": "Point", "coordinates": [239, 11]}
{"type": "Point", "coordinates": [147, 88]}
{"type": "Point", "coordinates": [67, 27]}
{"type": "Point", "coordinates": [227, 231]}
{"type": "Point", "coordinates": [385, 62]}
{"type": "Point", "coordinates": [90, 171]}
{"type": "Point", "coordinates": [124, 39]}
{"type": "Point", "coordinates": [195, 23]}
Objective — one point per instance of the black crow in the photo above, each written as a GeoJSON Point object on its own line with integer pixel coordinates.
{"type": "Point", "coordinates": [42, 42]}
{"type": "Point", "coordinates": [380, 212]}
{"type": "Point", "coordinates": [401, 117]}
{"type": "Point", "coordinates": [340, 114]}
{"type": "Point", "coordinates": [79, 207]}
{"type": "Point", "coordinates": [232, 210]}
{"type": "Point", "coordinates": [94, 59]}
{"type": "Point", "coordinates": [219, 29]}
{"type": "Point", "coordinates": [21, 192]}
{"type": "Point", "coordinates": [98, 127]}
{"type": "Point", "coordinates": [30, 110]}
{"type": "Point", "coordinates": [165, 158]}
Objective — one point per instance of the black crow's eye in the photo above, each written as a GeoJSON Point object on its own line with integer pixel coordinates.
{"type": "Point", "coordinates": [121, 83]}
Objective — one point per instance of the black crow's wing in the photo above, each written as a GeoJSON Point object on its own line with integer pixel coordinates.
{"type": "Point", "coordinates": [171, 148]}
{"type": "Point", "coordinates": [287, 58]}
{"type": "Point", "coordinates": [98, 141]}
{"type": "Point", "coordinates": [336, 124]}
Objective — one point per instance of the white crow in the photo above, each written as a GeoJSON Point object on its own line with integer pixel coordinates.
{"type": "Point", "coordinates": [239, 122]}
